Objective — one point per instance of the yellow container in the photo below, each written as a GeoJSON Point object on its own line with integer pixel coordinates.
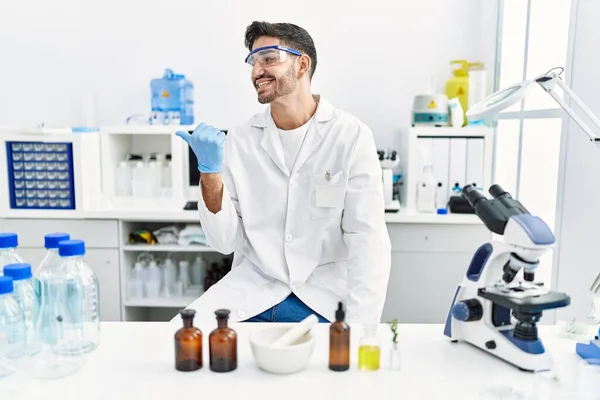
{"type": "Point", "coordinates": [458, 84]}
{"type": "Point", "coordinates": [368, 357]}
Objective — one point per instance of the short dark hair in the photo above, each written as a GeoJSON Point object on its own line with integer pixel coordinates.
{"type": "Point", "coordinates": [291, 35]}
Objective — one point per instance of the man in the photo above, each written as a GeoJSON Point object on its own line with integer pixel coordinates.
{"type": "Point", "coordinates": [296, 194]}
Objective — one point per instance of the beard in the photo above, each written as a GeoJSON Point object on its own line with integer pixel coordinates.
{"type": "Point", "coordinates": [283, 86]}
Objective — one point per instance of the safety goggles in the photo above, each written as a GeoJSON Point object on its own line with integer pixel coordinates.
{"type": "Point", "coordinates": [269, 55]}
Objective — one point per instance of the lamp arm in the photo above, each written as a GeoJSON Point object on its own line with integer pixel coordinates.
{"type": "Point", "coordinates": [548, 85]}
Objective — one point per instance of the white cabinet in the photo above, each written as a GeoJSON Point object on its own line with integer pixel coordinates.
{"type": "Point", "coordinates": [428, 262]}
{"type": "Point", "coordinates": [105, 264]}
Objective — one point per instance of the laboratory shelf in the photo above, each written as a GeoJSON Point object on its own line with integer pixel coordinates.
{"type": "Point", "coordinates": [467, 131]}
{"type": "Point", "coordinates": [134, 129]}
{"type": "Point", "coordinates": [165, 302]}
{"type": "Point", "coordinates": [168, 248]}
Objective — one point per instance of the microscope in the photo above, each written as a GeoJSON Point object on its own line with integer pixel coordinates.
{"type": "Point", "coordinates": [388, 162]}
{"type": "Point", "coordinates": [498, 303]}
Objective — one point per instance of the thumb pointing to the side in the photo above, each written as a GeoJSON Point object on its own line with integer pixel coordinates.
{"type": "Point", "coordinates": [184, 135]}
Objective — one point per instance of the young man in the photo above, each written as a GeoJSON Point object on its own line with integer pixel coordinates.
{"type": "Point", "coordinates": [295, 193]}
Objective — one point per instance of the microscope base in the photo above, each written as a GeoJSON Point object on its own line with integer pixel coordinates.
{"type": "Point", "coordinates": [527, 356]}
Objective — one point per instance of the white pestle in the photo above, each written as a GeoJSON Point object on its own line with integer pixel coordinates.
{"type": "Point", "coordinates": [296, 332]}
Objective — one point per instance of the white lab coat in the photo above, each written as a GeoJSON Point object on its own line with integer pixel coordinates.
{"type": "Point", "coordinates": [318, 231]}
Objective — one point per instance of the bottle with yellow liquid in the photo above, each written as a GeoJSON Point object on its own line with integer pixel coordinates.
{"type": "Point", "coordinates": [369, 350]}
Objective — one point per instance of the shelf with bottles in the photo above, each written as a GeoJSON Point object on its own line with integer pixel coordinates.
{"type": "Point", "coordinates": [174, 248]}
{"type": "Point", "coordinates": [142, 167]}
{"type": "Point", "coordinates": [449, 158]}
{"type": "Point", "coordinates": [168, 280]}
{"type": "Point", "coordinates": [171, 302]}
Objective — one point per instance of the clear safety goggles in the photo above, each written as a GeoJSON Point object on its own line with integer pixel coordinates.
{"type": "Point", "coordinates": [269, 55]}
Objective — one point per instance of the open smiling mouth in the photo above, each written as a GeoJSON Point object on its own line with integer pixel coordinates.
{"type": "Point", "coordinates": [264, 84]}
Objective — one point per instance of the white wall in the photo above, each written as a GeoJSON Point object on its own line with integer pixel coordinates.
{"type": "Point", "coordinates": [373, 56]}
{"type": "Point", "coordinates": [578, 228]}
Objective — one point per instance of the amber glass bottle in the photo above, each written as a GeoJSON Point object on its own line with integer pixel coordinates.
{"type": "Point", "coordinates": [188, 344]}
{"type": "Point", "coordinates": [223, 345]}
{"type": "Point", "coordinates": [339, 342]}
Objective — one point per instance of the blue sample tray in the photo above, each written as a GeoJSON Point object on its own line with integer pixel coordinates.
{"type": "Point", "coordinates": [40, 175]}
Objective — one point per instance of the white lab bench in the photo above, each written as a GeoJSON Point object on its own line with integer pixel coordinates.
{"type": "Point", "coordinates": [430, 254]}
{"type": "Point", "coordinates": [136, 360]}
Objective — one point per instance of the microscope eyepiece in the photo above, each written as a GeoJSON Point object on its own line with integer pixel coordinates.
{"type": "Point", "coordinates": [472, 195]}
{"type": "Point", "coordinates": [513, 206]}
{"type": "Point", "coordinates": [496, 191]}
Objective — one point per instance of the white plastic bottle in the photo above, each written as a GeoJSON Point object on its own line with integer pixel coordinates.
{"type": "Point", "coordinates": [139, 185]}
{"type": "Point", "coordinates": [154, 177]}
{"type": "Point", "coordinates": [84, 297]}
{"type": "Point", "coordinates": [12, 328]}
{"type": "Point", "coordinates": [135, 285]}
{"type": "Point", "coordinates": [169, 277]}
{"type": "Point", "coordinates": [123, 179]}
{"type": "Point", "coordinates": [153, 280]}
{"type": "Point", "coordinates": [8, 250]}
{"type": "Point", "coordinates": [457, 116]}
{"type": "Point", "coordinates": [184, 274]}
{"type": "Point", "coordinates": [198, 271]}
{"type": "Point", "coordinates": [427, 191]}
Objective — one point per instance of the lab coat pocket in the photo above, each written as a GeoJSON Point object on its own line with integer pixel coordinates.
{"type": "Point", "coordinates": [328, 192]}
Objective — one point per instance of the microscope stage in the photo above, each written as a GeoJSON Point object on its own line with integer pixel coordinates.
{"type": "Point", "coordinates": [525, 300]}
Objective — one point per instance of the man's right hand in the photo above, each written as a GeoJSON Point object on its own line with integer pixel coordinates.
{"type": "Point", "coordinates": [207, 143]}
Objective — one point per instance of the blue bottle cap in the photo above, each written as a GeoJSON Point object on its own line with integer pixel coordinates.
{"type": "Point", "coordinates": [18, 271]}
{"type": "Point", "coordinates": [51, 240]}
{"type": "Point", "coordinates": [68, 248]}
{"type": "Point", "coordinates": [6, 285]}
{"type": "Point", "coordinates": [8, 240]}
{"type": "Point", "coordinates": [84, 129]}
{"type": "Point", "coordinates": [442, 211]}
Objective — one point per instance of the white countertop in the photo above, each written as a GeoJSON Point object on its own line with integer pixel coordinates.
{"type": "Point", "coordinates": [136, 361]}
{"type": "Point", "coordinates": [178, 215]}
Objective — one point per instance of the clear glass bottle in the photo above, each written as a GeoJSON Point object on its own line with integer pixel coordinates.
{"type": "Point", "coordinates": [84, 291]}
{"type": "Point", "coordinates": [8, 250]}
{"type": "Point", "coordinates": [12, 329]}
{"type": "Point", "coordinates": [188, 344]}
{"type": "Point", "coordinates": [223, 345]}
{"type": "Point", "coordinates": [369, 350]}
{"type": "Point", "coordinates": [339, 341]}
{"type": "Point", "coordinates": [394, 360]}
{"type": "Point", "coordinates": [58, 334]}
{"type": "Point", "coordinates": [24, 295]}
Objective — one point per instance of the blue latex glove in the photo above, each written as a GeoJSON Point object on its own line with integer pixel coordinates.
{"type": "Point", "coordinates": [207, 143]}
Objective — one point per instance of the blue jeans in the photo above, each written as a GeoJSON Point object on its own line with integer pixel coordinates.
{"type": "Point", "coordinates": [292, 309]}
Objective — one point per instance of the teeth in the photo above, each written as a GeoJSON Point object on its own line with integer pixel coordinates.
{"type": "Point", "coordinates": [263, 83]}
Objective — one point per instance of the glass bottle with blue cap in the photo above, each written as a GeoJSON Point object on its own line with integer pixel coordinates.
{"type": "Point", "coordinates": [44, 273]}
{"type": "Point", "coordinates": [24, 295]}
{"type": "Point", "coordinates": [83, 292]}
{"type": "Point", "coordinates": [8, 253]}
{"type": "Point", "coordinates": [12, 327]}
{"type": "Point", "coordinates": [58, 348]}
